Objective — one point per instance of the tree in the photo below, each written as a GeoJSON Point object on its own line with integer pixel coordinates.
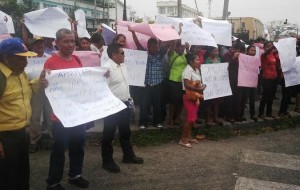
{"type": "Point", "coordinates": [16, 9]}
{"type": "Point", "coordinates": [278, 29]}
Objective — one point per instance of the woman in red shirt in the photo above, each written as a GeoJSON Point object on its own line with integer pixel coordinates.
{"type": "Point", "coordinates": [269, 62]}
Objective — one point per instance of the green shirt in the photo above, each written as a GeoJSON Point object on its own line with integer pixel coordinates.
{"type": "Point", "coordinates": [209, 61]}
{"type": "Point", "coordinates": [179, 63]}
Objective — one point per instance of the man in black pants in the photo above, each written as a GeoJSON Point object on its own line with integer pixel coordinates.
{"type": "Point", "coordinates": [118, 84]}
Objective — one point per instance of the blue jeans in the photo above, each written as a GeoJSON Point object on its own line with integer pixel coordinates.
{"type": "Point", "coordinates": [151, 95]}
{"type": "Point", "coordinates": [72, 139]}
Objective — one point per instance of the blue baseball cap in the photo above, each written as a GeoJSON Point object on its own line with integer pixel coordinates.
{"type": "Point", "coordinates": [15, 46]}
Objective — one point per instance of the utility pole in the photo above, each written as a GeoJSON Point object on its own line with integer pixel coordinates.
{"type": "Point", "coordinates": [125, 11]}
{"type": "Point", "coordinates": [179, 9]}
{"type": "Point", "coordinates": [225, 9]}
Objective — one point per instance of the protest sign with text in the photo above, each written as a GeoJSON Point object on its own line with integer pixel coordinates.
{"type": "Point", "coordinates": [292, 76]}
{"type": "Point", "coordinates": [287, 53]}
{"type": "Point", "coordinates": [248, 67]}
{"type": "Point", "coordinates": [216, 78]}
{"type": "Point", "coordinates": [34, 67]}
{"type": "Point", "coordinates": [81, 95]}
{"type": "Point", "coordinates": [135, 61]}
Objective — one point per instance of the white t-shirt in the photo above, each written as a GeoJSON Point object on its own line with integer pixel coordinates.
{"type": "Point", "coordinates": [118, 80]}
{"type": "Point", "coordinates": [190, 74]}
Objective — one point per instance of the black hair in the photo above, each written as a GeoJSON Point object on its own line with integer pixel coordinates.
{"type": "Point", "coordinates": [178, 43]}
{"type": "Point", "coordinates": [85, 38]}
{"type": "Point", "coordinates": [118, 37]}
{"type": "Point", "coordinates": [152, 41]}
{"type": "Point", "coordinates": [96, 38]}
{"type": "Point", "coordinates": [113, 48]}
{"type": "Point", "coordinates": [190, 57]}
{"type": "Point", "coordinates": [250, 46]}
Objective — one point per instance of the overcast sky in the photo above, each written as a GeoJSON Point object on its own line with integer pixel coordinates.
{"type": "Point", "coordinates": [265, 10]}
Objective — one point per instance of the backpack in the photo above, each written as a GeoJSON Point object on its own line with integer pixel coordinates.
{"type": "Point", "coordinates": [3, 82]}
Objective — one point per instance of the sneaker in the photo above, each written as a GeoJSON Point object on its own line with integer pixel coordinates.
{"type": "Point", "coordinates": [111, 167]}
{"type": "Point", "coordinates": [79, 182]}
{"type": "Point", "coordinates": [133, 160]}
{"type": "Point", "coordinates": [159, 126]}
{"type": "Point", "coordinates": [55, 187]}
{"type": "Point", "coordinates": [142, 127]}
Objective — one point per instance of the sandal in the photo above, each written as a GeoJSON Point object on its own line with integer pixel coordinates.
{"type": "Point", "coordinates": [200, 137]}
{"type": "Point", "coordinates": [187, 145]}
{"type": "Point", "coordinates": [191, 140]}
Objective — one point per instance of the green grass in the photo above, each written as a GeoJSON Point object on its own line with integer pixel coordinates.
{"type": "Point", "coordinates": [157, 137]}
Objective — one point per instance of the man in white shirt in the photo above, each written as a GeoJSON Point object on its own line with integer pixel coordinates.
{"type": "Point", "coordinates": [118, 84]}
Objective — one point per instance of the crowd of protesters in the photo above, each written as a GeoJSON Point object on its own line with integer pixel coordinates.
{"type": "Point", "coordinates": [172, 84]}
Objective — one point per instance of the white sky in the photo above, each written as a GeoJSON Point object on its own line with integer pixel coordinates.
{"type": "Point", "coordinates": [265, 10]}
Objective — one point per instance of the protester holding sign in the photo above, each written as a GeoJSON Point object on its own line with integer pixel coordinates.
{"type": "Point", "coordinates": [39, 103]}
{"type": "Point", "coordinates": [251, 50]}
{"type": "Point", "coordinates": [152, 91]}
{"type": "Point", "coordinates": [177, 64]}
{"type": "Point", "coordinates": [118, 84]}
{"type": "Point", "coordinates": [269, 62]}
{"type": "Point", "coordinates": [212, 104]}
{"type": "Point", "coordinates": [73, 138]}
{"type": "Point", "coordinates": [191, 82]}
{"type": "Point", "coordinates": [234, 103]}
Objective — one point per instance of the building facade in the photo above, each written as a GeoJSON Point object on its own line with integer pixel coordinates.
{"type": "Point", "coordinates": [247, 27]}
{"type": "Point", "coordinates": [170, 8]}
{"type": "Point", "coordinates": [97, 11]}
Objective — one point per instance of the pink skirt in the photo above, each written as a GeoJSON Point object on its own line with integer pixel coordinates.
{"type": "Point", "coordinates": [191, 109]}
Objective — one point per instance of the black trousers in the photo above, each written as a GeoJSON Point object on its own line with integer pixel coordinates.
{"type": "Point", "coordinates": [14, 169]}
{"type": "Point", "coordinates": [285, 99]}
{"type": "Point", "coordinates": [120, 120]}
{"type": "Point", "coordinates": [269, 90]}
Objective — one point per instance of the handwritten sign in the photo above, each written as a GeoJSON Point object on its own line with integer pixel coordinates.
{"type": "Point", "coordinates": [215, 76]}
{"type": "Point", "coordinates": [88, 58]}
{"type": "Point", "coordinates": [122, 28]}
{"type": "Point", "coordinates": [81, 95]}
{"type": "Point", "coordinates": [136, 62]}
{"type": "Point", "coordinates": [34, 67]}
{"type": "Point", "coordinates": [221, 30]}
{"type": "Point", "coordinates": [248, 66]}
{"type": "Point", "coordinates": [46, 22]}
{"type": "Point", "coordinates": [292, 76]}
{"type": "Point", "coordinates": [287, 53]}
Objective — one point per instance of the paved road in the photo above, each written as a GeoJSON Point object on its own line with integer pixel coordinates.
{"type": "Point", "coordinates": [263, 162]}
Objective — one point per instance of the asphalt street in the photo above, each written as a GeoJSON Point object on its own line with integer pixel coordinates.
{"type": "Point", "coordinates": [270, 161]}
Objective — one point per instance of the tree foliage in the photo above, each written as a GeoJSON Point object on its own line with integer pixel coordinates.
{"type": "Point", "coordinates": [278, 29]}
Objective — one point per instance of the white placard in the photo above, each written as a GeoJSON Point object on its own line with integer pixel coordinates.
{"type": "Point", "coordinates": [34, 67]}
{"type": "Point", "coordinates": [81, 95]}
{"type": "Point", "coordinates": [6, 24]}
{"type": "Point", "coordinates": [191, 32]}
{"type": "Point", "coordinates": [136, 62]}
{"type": "Point", "coordinates": [292, 76]}
{"type": "Point", "coordinates": [46, 22]}
{"type": "Point", "coordinates": [287, 53]}
{"type": "Point", "coordinates": [216, 77]}
{"type": "Point", "coordinates": [81, 25]}
{"type": "Point", "coordinates": [221, 30]}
